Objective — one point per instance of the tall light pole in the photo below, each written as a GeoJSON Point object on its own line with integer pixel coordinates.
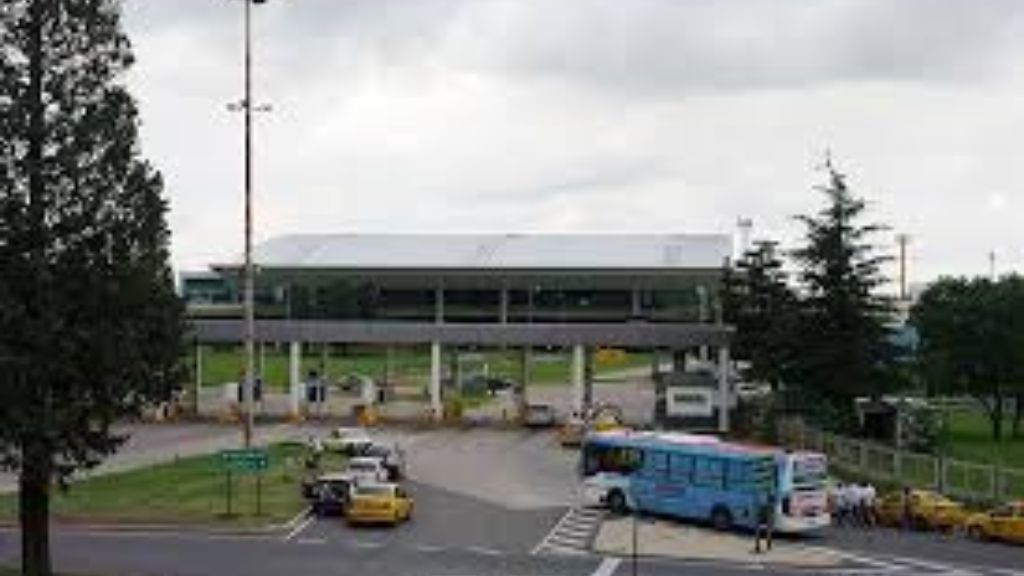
{"type": "Point", "coordinates": [248, 281]}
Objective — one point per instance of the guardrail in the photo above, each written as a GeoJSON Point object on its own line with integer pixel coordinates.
{"type": "Point", "coordinates": [881, 463]}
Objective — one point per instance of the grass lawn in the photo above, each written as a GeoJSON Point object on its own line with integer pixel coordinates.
{"type": "Point", "coordinates": [969, 437]}
{"type": "Point", "coordinates": [191, 490]}
{"type": "Point", "coordinates": [410, 365]}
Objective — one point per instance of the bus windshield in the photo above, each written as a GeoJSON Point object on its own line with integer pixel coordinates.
{"type": "Point", "coordinates": [598, 458]}
{"type": "Point", "coordinates": [809, 471]}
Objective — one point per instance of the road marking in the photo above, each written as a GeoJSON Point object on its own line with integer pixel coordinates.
{"type": "Point", "coordinates": [607, 567]}
{"type": "Point", "coordinates": [572, 533]}
{"type": "Point", "coordinates": [311, 541]}
{"type": "Point", "coordinates": [366, 544]}
{"type": "Point", "coordinates": [485, 551]}
{"type": "Point", "coordinates": [298, 518]}
{"type": "Point", "coordinates": [298, 529]}
{"type": "Point", "coordinates": [429, 548]}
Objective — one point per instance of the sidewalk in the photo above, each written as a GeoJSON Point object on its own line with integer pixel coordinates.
{"type": "Point", "coordinates": [683, 542]}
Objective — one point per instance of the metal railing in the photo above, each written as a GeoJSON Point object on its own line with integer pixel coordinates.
{"type": "Point", "coordinates": [885, 464]}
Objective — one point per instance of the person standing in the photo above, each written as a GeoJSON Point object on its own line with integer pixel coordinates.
{"type": "Point", "coordinates": [907, 510]}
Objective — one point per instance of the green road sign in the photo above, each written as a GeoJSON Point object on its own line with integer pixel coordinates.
{"type": "Point", "coordinates": [245, 460]}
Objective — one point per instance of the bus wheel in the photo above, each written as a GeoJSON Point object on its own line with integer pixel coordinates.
{"type": "Point", "coordinates": [617, 502]}
{"type": "Point", "coordinates": [721, 518]}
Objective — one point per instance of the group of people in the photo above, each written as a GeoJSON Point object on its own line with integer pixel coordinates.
{"type": "Point", "coordinates": [853, 504]}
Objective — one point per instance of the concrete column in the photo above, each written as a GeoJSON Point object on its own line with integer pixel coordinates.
{"type": "Point", "coordinates": [435, 380]}
{"type": "Point", "coordinates": [439, 305]}
{"type": "Point", "coordinates": [702, 297]}
{"type": "Point", "coordinates": [578, 369]}
{"type": "Point", "coordinates": [636, 308]}
{"type": "Point", "coordinates": [295, 377]}
{"type": "Point", "coordinates": [723, 389]}
{"type": "Point", "coordinates": [503, 310]}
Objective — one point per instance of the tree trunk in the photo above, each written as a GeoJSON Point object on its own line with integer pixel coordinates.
{"type": "Point", "coordinates": [996, 415]}
{"type": "Point", "coordinates": [34, 511]}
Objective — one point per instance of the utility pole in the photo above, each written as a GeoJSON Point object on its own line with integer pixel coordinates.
{"type": "Point", "coordinates": [904, 241]}
{"type": "Point", "coordinates": [992, 265]}
{"type": "Point", "coordinates": [248, 273]}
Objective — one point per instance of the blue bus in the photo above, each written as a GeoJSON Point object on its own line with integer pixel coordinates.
{"type": "Point", "coordinates": [701, 478]}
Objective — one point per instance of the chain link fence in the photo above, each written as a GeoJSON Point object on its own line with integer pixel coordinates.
{"type": "Point", "coordinates": [885, 464]}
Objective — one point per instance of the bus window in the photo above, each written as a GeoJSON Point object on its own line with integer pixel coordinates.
{"type": "Point", "coordinates": [681, 468]}
{"type": "Point", "coordinates": [658, 464]}
{"type": "Point", "coordinates": [709, 472]}
{"type": "Point", "coordinates": [619, 460]}
{"type": "Point", "coordinates": [737, 474]}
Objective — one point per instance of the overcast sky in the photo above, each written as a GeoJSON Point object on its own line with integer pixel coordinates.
{"type": "Point", "coordinates": [590, 115]}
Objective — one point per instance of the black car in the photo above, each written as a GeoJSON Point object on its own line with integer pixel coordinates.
{"type": "Point", "coordinates": [329, 494]}
{"type": "Point", "coordinates": [392, 458]}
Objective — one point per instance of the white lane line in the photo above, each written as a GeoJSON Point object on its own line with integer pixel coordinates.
{"type": "Point", "coordinates": [429, 548]}
{"type": "Point", "coordinates": [298, 518]}
{"type": "Point", "coordinates": [367, 545]}
{"type": "Point", "coordinates": [298, 529]}
{"type": "Point", "coordinates": [311, 541]}
{"type": "Point", "coordinates": [608, 567]}
{"type": "Point", "coordinates": [484, 551]}
{"type": "Point", "coordinates": [945, 569]}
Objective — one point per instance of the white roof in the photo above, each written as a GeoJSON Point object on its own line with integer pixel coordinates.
{"type": "Point", "coordinates": [494, 251]}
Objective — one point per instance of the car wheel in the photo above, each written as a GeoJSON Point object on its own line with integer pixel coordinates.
{"type": "Point", "coordinates": [617, 502]}
{"type": "Point", "coordinates": [721, 518]}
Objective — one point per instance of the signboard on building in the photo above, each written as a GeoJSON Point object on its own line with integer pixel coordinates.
{"type": "Point", "coordinates": [689, 401]}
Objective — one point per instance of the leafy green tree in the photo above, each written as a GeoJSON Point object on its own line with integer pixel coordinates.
{"type": "Point", "coordinates": [972, 340]}
{"type": "Point", "coordinates": [758, 300]}
{"type": "Point", "coordinates": [90, 326]}
{"type": "Point", "coordinates": [844, 350]}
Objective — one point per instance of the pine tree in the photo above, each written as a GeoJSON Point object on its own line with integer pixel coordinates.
{"type": "Point", "coordinates": [90, 327]}
{"type": "Point", "coordinates": [845, 349]}
{"type": "Point", "coordinates": [759, 302]}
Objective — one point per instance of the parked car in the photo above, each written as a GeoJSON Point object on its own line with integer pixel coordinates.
{"type": "Point", "coordinates": [928, 510]}
{"type": "Point", "coordinates": [379, 504]}
{"type": "Point", "coordinates": [1003, 523]}
{"type": "Point", "coordinates": [364, 469]}
{"type": "Point", "coordinates": [330, 494]}
{"type": "Point", "coordinates": [350, 441]}
{"type": "Point", "coordinates": [539, 416]}
{"type": "Point", "coordinates": [392, 457]}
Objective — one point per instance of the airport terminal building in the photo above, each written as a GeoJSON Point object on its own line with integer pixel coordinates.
{"type": "Point", "coordinates": [574, 291]}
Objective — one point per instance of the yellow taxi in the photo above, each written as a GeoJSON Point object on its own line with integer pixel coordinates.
{"type": "Point", "coordinates": [379, 504]}
{"type": "Point", "coordinates": [1004, 523]}
{"type": "Point", "coordinates": [928, 510]}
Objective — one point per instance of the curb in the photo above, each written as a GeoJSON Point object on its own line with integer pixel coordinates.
{"type": "Point", "coordinates": [131, 527]}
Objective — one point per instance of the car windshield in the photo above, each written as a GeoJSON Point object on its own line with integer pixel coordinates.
{"type": "Point", "coordinates": [362, 466]}
{"type": "Point", "coordinates": [374, 491]}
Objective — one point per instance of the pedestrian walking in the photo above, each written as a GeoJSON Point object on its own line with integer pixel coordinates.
{"type": "Point", "coordinates": [869, 495]}
{"type": "Point", "coordinates": [765, 524]}
{"type": "Point", "coordinates": [907, 511]}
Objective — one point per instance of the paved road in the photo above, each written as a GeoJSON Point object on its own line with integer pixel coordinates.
{"type": "Point", "coordinates": [486, 501]}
